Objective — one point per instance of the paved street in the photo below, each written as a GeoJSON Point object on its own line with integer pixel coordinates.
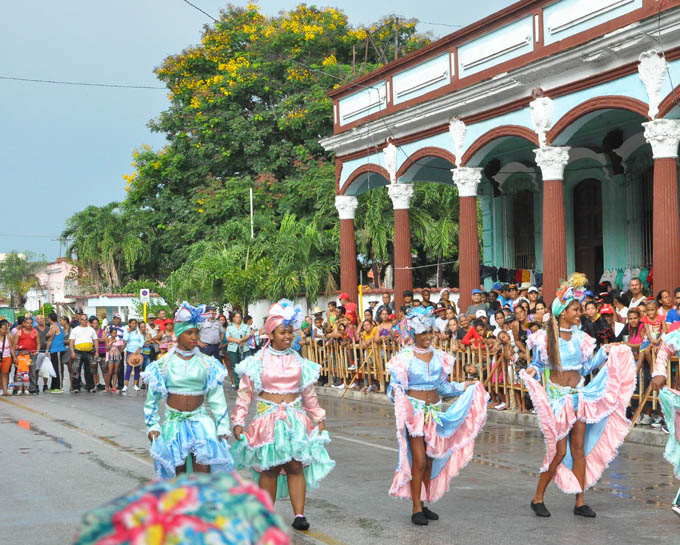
{"type": "Point", "coordinates": [63, 454]}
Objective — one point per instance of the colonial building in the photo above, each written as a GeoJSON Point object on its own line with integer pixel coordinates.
{"type": "Point", "coordinates": [556, 119]}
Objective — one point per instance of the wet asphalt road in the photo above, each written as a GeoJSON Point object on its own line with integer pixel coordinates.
{"type": "Point", "coordinates": [63, 454]}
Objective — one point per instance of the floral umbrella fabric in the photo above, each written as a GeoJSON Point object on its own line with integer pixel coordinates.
{"type": "Point", "coordinates": [196, 509]}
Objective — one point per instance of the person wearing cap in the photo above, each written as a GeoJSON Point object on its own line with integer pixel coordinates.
{"type": "Point", "coordinates": [434, 445]}
{"type": "Point", "coordinates": [607, 312]}
{"type": "Point", "coordinates": [523, 289]}
{"type": "Point", "coordinates": [440, 321]}
{"type": "Point", "coordinates": [285, 443]}
{"type": "Point", "coordinates": [513, 293]}
{"type": "Point", "coordinates": [187, 380]}
{"type": "Point", "coordinates": [532, 296]}
{"type": "Point", "coordinates": [350, 308]}
{"type": "Point", "coordinates": [504, 295]}
{"type": "Point", "coordinates": [476, 303]}
{"type": "Point", "coordinates": [589, 421]}
{"type": "Point", "coordinates": [386, 304]}
{"type": "Point", "coordinates": [210, 333]}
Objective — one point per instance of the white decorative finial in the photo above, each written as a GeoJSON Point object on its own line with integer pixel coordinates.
{"type": "Point", "coordinates": [652, 71]}
{"type": "Point", "coordinates": [390, 155]}
{"type": "Point", "coordinates": [457, 130]}
{"type": "Point", "coordinates": [541, 109]}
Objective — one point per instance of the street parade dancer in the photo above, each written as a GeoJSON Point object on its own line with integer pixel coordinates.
{"type": "Point", "coordinates": [284, 446]}
{"type": "Point", "coordinates": [434, 445]}
{"type": "Point", "coordinates": [583, 426]}
{"type": "Point", "coordinates": [189, 439]}
{"type": "Point", "coordinates": [670, 405]}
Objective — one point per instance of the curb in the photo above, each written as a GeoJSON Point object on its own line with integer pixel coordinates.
{"type": "Point", "coordinates": [638, 435]}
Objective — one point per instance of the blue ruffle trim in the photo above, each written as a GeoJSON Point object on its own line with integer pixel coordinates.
{"type": "Point", "coordinates": [251, 366]}
{"type": "Point", "coordinates": [191, 438]}
{"type": "Point", "coordinates": [155, 379]}
{"type": "Point", "coordinates": [216, 374]}
{"type": "Point", "coordinates": [310, 373]}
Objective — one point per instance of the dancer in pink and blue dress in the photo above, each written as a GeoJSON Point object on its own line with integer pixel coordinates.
{"type": "Point", "coordinates": [285, 444]}
{"type": "Point", "coordinates": [434, 445]}
{"type": "Point", "coordinates": [670, 404]}
{"type": "Point", "coordinates": [583, 426]}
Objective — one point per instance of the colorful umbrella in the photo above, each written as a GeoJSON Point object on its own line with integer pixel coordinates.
{"type": "Point", "coordinates": [196, 509]}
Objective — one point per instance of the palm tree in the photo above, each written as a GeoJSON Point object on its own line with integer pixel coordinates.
{"type": "Point", "coordinates": [17, 275]}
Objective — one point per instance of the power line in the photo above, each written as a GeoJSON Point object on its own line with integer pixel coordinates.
{"type": "Point", "coordinates": [199, 9]}
{"type": "Point", "coordinates": [439, 24]}
{"type": "Point", "coordinates": [81, 83]}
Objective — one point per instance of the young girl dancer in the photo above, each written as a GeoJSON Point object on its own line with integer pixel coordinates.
{"type": "Point", "coordinates": [670, 404]}
{"type": "Point", "coordinates": [114, 357]}
{"type": "Point", "coordinates": [583, 425]}
{"type": "Point", "coordinates": [284, 445]}
{"type": "Point", "coordinates": [187, 380]}
{"type": "Point", "coordinates": [434, 445]}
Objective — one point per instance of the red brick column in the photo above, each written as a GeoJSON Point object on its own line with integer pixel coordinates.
{"type": "Point", "coordinates": [663, 135]}
{"type": "Point", "coordinates": [467, 180]}
{"type": "Point", "coordinates": [551, 161]}
{"type": "Point", "coordinates": [346, 206]}
{"type": "Point", "coordinates": [403, 275]}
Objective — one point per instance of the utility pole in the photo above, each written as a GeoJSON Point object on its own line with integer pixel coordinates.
{"type": "Point", "coordinates": [396, 39]}
{"type": "Point", "coordinates": [354, 60]}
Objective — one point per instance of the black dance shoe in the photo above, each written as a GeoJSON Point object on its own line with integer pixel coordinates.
{"type": "Point", "coordinates": [540, 509]}
{"type": "Point", "coordinates": [419, 519]}
{"type": "Point", "coordinates": [430, 515]}
{"type": "Point", "coordinates": [300, 523]}
{"type": "Point", "coordinates": [584, 511]}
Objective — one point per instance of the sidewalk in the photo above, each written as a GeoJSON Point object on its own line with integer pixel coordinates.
{"type": "Point", "coordinates": [642, 435]}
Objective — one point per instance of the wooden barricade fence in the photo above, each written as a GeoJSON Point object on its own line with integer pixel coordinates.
{"type": "Point", "coordinates": [350, 364]}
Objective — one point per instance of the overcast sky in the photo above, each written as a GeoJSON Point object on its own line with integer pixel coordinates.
{"type": "Point", "coordinates": [65, 147]}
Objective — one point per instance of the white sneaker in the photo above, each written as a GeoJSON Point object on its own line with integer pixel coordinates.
{"type": "Point", "coordinates": [135, 388]}
{"type": "Point", "coordinates": [124, 389]}
{"type": "Point", "coordinates": [352, 368]}
{"type": "Point", "coordinates": [501, 407]}
{"type": "Point", "coordinates": [676, 509]}
{"type": "Point", "coordinates": [646, 420]}
{"type": "Point", "coordinates": [338, 386]}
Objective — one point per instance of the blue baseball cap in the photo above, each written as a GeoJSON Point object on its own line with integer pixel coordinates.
{"type": "Point", "coordinates": [476, 291]}
{"type": "Point", "coordinates": [497, 286]}
{"type": "Point", "coordinates": [588, 293]}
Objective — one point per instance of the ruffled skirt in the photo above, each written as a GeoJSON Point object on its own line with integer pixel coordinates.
{"type": "Point", "coordinates": [192, 432]}
{"type": "Point", "coordinates": [278, 434]}
{"type": "Point", "coordinates": [601, 405]}
{"type": "Point", "coordinates": [449, 438]}
{"type": "Point", "coordinates": [670, 404]}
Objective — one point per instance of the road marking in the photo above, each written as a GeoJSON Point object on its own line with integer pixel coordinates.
{"type": "Point", "coordinates": [80, 431]}
{"type": "Point", "coordinates": [365, 443]}
{"type": "Point", "coordinates": [323, 538]}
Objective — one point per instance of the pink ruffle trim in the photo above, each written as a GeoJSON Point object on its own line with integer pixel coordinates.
{"type": "Point", "coordinates": [460, 444]}
{"type": "Point", "coordinates": [261, 429]}
{"type": "Point", "coordinates": [612, 405]}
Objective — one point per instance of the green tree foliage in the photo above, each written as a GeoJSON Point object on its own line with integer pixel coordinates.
{"type": "Point", "coordinates": [17, 276]}
{"type": "Point", "coordinates": [247, 108]}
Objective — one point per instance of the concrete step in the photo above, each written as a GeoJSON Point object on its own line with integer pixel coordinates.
{"type": "Point", "coordinates": [643, 435]}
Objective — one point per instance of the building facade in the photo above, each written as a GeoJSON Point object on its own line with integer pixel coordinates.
{"type": "Point", "coordinates": [557, 120]}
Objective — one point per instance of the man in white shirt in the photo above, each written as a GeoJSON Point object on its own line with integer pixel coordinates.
{"type": "Point", "coordinates": [637, 297]}
{"type": "Point", "coordinates": [84, 345]}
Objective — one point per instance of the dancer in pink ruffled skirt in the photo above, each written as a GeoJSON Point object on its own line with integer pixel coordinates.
{"type": "Point", "coordinates": [583, 425]}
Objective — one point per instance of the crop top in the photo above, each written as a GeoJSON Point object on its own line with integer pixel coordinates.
{"type": "Point", "coordinates": [411, 373]}
{"type": "Point", "coordinates": [201, 375]}
{"type": "Point", "coordinates": [576, 354]}
{"type": "Point", "coordinates": [277, 372]}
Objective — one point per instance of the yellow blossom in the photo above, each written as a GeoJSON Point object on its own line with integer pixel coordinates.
{"type": "Point", "coordinates": [330, 60]}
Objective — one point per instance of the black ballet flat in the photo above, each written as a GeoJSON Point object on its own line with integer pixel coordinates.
{"type": "Point", "coordinates": [540, 509]}
{"type": "Point", "coordinates": [584, 511]}
{"type": "Point", "coordinates": [430, 515]}
{"type": "Point", "coordinates": [300, 523]}
{"type": "Point", "coordinates": [419, 519]}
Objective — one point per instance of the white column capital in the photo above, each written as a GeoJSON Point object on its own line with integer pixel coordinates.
{"type": "Point", "coordinates": [552, 160]}
{"type": "Point", "coordinates": [663, 135]}
{"type": "Point", "coordinates": [401, 195]}
{"type": "Point", "coordinates": [467, 179]}
{"type": "Point", "coordinates": [346, 205]}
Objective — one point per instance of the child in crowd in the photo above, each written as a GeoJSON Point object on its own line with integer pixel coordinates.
{"type": "Point", "coordinates": [166, 339]}
{"type": "Point", "coordinates": [114, 355]}
{"type": "Point", "coordinates": [22, 374]}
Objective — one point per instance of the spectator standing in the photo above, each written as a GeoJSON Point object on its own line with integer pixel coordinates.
{"type": "Point", "coordinates": [532, 295]}
{"type": "Point", "coordinates": [83, 342]}
{"type": "Point", "coordinates": [595, 325]}
{"type": "Point", "coordinates": [28, 343]}
{"type": "Point", "coordinates": [607, 312]}
{"type": "Point", "coordinates": [236, 335]}
{"type": "Point", "coordinates": [442, 314]}
{"type": "Point", "coordinates": [210, 333]}
{"type": "Point", "coordinates": [56, 348]}
{"type": "Point", "coordinates": [162, 321]}
{"type": "Point", "coordinates": [476, 303]}
{"type": "Point", "coordinates": [407, 295]}
{"type": "Point", "coordinates": [350, 308]}
{"type": "Point", "coordinates": [133, 343]}
{"type": "Point", "coordinates": [426, 299]}
{"type": "Point", "coordinates": [664, 300]}
{"type": "Point", "coordinates": [42, 330]}
{"type": "Point", "coordinates": [6, 355]}
{"type": "Point", "coordinates": [386, 304]}
{"type": "Point", "coordinates": [66, 360]}
{"type": "Point", "coordinates": [99, 360]}
{"type": "Point", "coordinates": [153, 330]}
{"type": "Point", "coordinates": [633, 332]}
{"type": "Point", "coordinates": [514, 296]}
{"type": "Point", "coordinates": [637, 297]}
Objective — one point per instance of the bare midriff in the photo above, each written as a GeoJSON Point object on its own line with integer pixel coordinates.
{"type": "Point", "coordinates": [184, 403]}
{"type": "Point", "coordinates": [279, 398]}
{"type": "Point", "coordinates": [428, 396]}
{"type": "Point", "coordinates": [565, 378]}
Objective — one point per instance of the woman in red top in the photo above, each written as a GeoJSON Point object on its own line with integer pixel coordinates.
{"type": "Point", "coordinates": [28, 342]}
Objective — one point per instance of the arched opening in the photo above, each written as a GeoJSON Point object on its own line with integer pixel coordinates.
{"type": "Point", "coordinates": [523, 229]}
{"type": "Point", "coordinates": [588, 247]}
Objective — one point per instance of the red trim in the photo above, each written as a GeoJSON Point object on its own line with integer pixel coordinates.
{"type": "Point", "coordinates": [594, 104]}
{"type": "Point", "coordinates": [429, 151]}
{"type": "Point", "coordinates": [499, 132]}
{"type": "Point", "coordinates": [499, 19]}
{"type": "Point", "coordinates": [376, 169]}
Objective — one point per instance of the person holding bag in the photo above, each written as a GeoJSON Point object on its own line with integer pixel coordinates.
{"type": "Point", "coordinates": [83, 343]}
